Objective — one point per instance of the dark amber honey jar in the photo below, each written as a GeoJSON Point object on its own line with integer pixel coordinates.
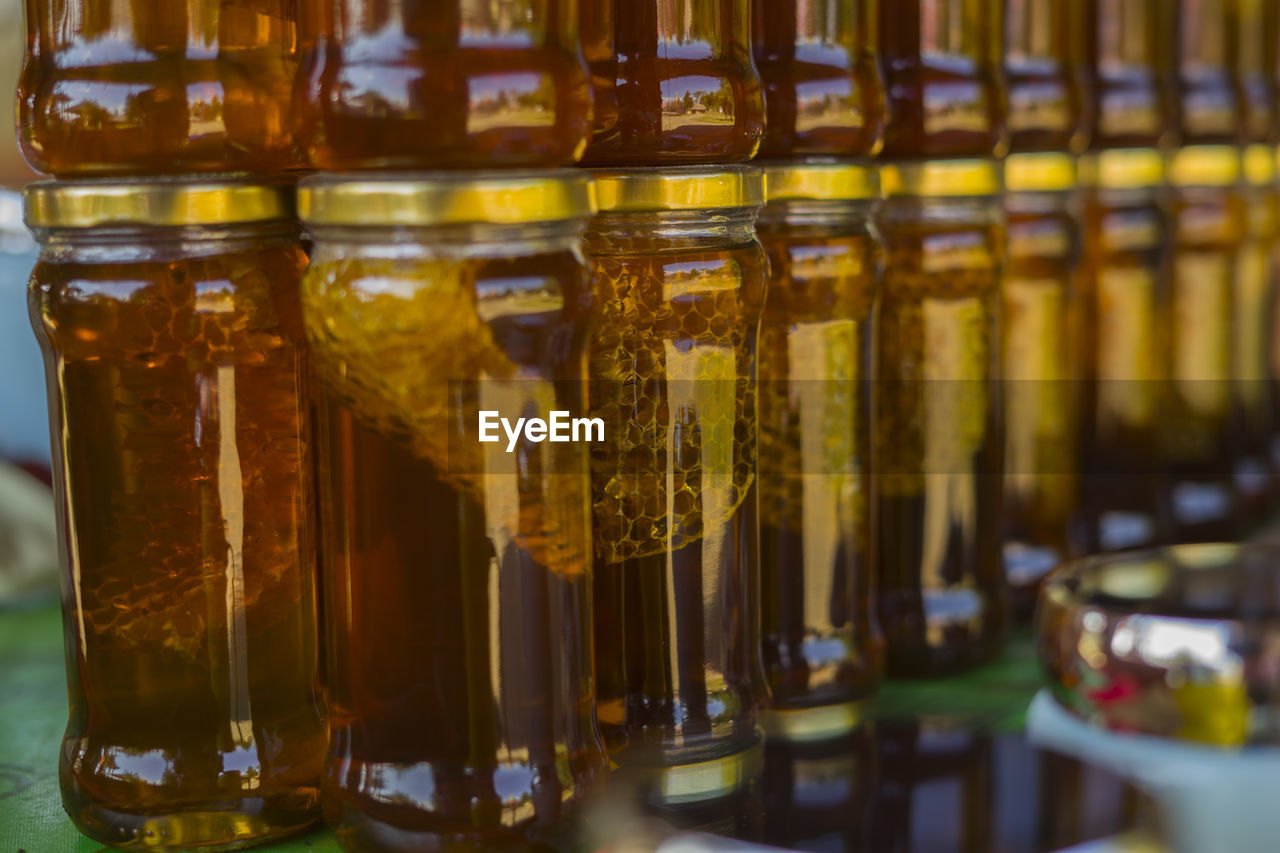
{"type": "Point", "coordinates": [171, 326]}
{"type": "Point", "coordinates": [179, 86]}
{"type": "Point", "coordinates": [822, 85]}
{"type": "Point", "coordinates": [457, 583]}
{"type": "Point", "coordinates": [938, 440]}
{"type": "Point", "coordinates": [673, 80]}
{"type": "Point", "coordinates": [460, 84]}
{"type": "Point", "coordinates": [680, 277]}
{"type": "Point", "coordinates": [1044, 72]}
{"type": "Point", "coordinates": [1208, 103]}
{"type": "Point", "coordinates": [1132, 103]}
{"type": "Point", "coordinates": [822, 649]}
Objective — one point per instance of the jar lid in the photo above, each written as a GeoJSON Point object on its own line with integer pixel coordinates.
{"type": "Point", "coordinates": [158, 201]}
{"type": "Point", "coordinates": [940, 178]}
{"type": "Point", "coordinates": [1123, 169]}
{"type": "Point", "coordinates": [1048, 171]}
{"type": "Point", "coordinates": [1205, 166]}
{"type": "Point", "coordinates": [820, 182]}
{"type": "Point", "coordinates": [684, 188]}
{"type": "Point", "coordinates": [1260, 165]}
{"type": "Point", "coordinates": [445, 198]}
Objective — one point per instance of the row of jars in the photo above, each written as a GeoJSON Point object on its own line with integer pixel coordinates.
{"type": "Point", "coordinates": [111, 88]}
{"type": "Point", "coordinates": [800, 467]}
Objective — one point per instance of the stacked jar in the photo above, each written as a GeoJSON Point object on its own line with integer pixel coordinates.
{"type": "Point", "coordinates": [938, 453]}
{"type": "Point", "coordinates": [166, 299]}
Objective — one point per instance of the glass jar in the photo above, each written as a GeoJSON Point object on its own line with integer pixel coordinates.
{"type": "Point", "coordinates": [112, 88]}
{"type": "Point", "coordinates": [1131, 106]}
{"type": "Point", "coordinates": [442, 309]}
{"type": "Point", "coordinates": [1043, 322]}
{"type": "Point", "coordinates": [1199, 430]}
{"type": "Point", "coordinates": [674, 82]}
{"type": "Point", "coordinates": [1044, 70]}
{"type": "Point", "coordinates": [1255, 41]}
{"type": "Point", "coordinates": [459, 84]}
{"type": "Point", "coordinates": [1204, 56]}
{"type": "Point", "coordinates": [680, 277]}
{"type": "Point", "coordinates": [938, 446]}
{"type": "Point", "coordinates": [822, 649]}
{"type": "Point", "coordinates": [822, 84]}
{"type": "Point", "coordinates": [943, 77]}
{"type": "Point", "coordinates": [169, 317]}
{"type": "Point", "coordinates": [1254, 292]}
{"type": "Point", "coordinates": [1125, 294]}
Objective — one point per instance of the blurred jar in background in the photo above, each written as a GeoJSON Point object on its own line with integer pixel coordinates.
{"type": "Point", "coordinates": [1124, 291]}
{"type": "Point", "coordinates": [822, 650]}
{"type": "Point", "coordinates": [673, 80]}
{"type": "Point", "coordinates": [1207, 105]}
{"type": "Point", "coordinates": [457, 584]}
{"type": "Point", "coordinates": [1131, 104]}
{"type": "Point", "coordinates": [941, 61]}
{"type": "Point", "coordinates": [680, 277]}
{"type": "Point", "coordinates": [1199, 431]}
{"type": "Point", "coordinates": [938, 446]}
{"type": "Point", "coordinates": [461, 84]}
{"type": "Point", "coordinates": [171, 327]}
{"type": "Point", "coordinates": [115, 88]}
{"type": "Point", "coordinates": [822, 85]}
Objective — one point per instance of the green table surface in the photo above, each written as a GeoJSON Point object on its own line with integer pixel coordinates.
{"type": "Point", "coordinates": [33, 711]}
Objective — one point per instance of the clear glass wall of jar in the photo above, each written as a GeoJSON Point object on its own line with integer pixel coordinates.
{"type": "Point", "coordinates": [822, 649]}
{"type": "Point", "coordinates": [673, 80]}
{"type": "Point", "coordinates": [822, 84]}
{"type": "Point", "coordinates": [459, 84]}
{"type": "Point", "coordinates": [1125, 294]}
{"type": "Point", "coordinates": [111, 88]}
{"type": "Point", "coordinates": [169, 317]}
{"type": "Point", "coordinates": [1041, 337]}
{"type": "Point", "coordinates": [1200, 431]}
{"type": "Point", "coordinates": [457, 587]}
{"type": "Point", "coordinates": [937, 457]}
{"type": "Point", "coordinates": [680, 277]}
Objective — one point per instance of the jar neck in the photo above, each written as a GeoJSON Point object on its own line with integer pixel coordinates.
{"type": "Point", "coordinates": [139, 243]}
{"type": "Point", "coordinates": [844, 216]}
{"type": "Point", "coordinates": [469, 240]}
{"type": "Point", "coordinates": [678, 227]}
{"type": "Point", "coordinates": [962, 210]}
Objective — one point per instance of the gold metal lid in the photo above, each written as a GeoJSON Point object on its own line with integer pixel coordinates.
{"type": "Point", "coordinates": [1122, 169]}
{"type": "Point", "coordinates": [445, 198]}
{"type": "Point", "coordinates": [1039, 172]}
{"type": "Point", "coordinates": [159, 201]}
{"type": "Point", "coordinates": [686, 188]}
{"type": "Point", "coordinates": [1205, 166]}
{"type": "Point", "coordinates": [820, 182]}
{"type": "Point", "coordinates": [940, 178]}
{"type": "Point", "coordinates": [1260, 165]}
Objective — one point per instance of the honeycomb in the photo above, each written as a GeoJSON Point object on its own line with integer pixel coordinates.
{"type": "Point", "coordinates": [672, 376]}
{"type": "Point", "coordinates": [393, 341]}
{"type": "Point", "coordinates": [171, 513]}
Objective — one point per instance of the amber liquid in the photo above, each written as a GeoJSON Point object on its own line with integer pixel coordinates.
{"type": "Point", "coordinates": [821, 645]}
{"type": "Point", "coordinates": [463, 84]}
{"type": "Point", "coordinates": [1130, 105]}
{"type": "Point", "coordinates": [674, 82]}
{"type": "Point", "coordinates": [457, 586]}
{"type": "Point", "coordinates": [1125, 293]}
{"type": "Point", "coordinates": [676, 534]}
{"type": "Point", "coordinates": [938, 458]}
{"type": "Point", "coordinates": [1044, 72]}
{"type": "Point", "coordinates": [942, 77]}
{"type": "Point", "coordinates": [822, 85]}
{"type": "Point", "coordinates": [114, 88]}
{"type": "Point", "coordinates": [181, 456]}
{"type": "Point", "coordinates": [1042, 324]}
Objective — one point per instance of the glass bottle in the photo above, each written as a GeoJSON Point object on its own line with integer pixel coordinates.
{"type": "Point", "coordinates": [459, 84]}
{"type": "Point", "coordinates": [169, 317]}
{"type": "Point", "coordinates": [1208, 103]}
{"type": "Point", "coordinates": [1125, 294]}
{"type": "Point", "coordinates": [457, 586]}
{"type": "Point", "coordinates": [680, 278]}
{"type": "Point", "coordinates": [1131, 104]}
{"type": "Point", "coordinates": [673, 80]}
{"type": "Point", "coordinates": [822, 649]}
{"type": "Point", "coordinates": [822, 85]}
{"type": "Point", "coordinates": [938, 446]}
{"type": "Point", "coordinates": [941, 61]}
{"type": "Point", "coordinates": [116, 88]}
{"type": "Point", "coordinates": [1044, 71]}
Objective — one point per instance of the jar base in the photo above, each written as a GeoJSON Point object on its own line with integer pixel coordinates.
{"type": "Point", "coordinates": [193, 830]}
